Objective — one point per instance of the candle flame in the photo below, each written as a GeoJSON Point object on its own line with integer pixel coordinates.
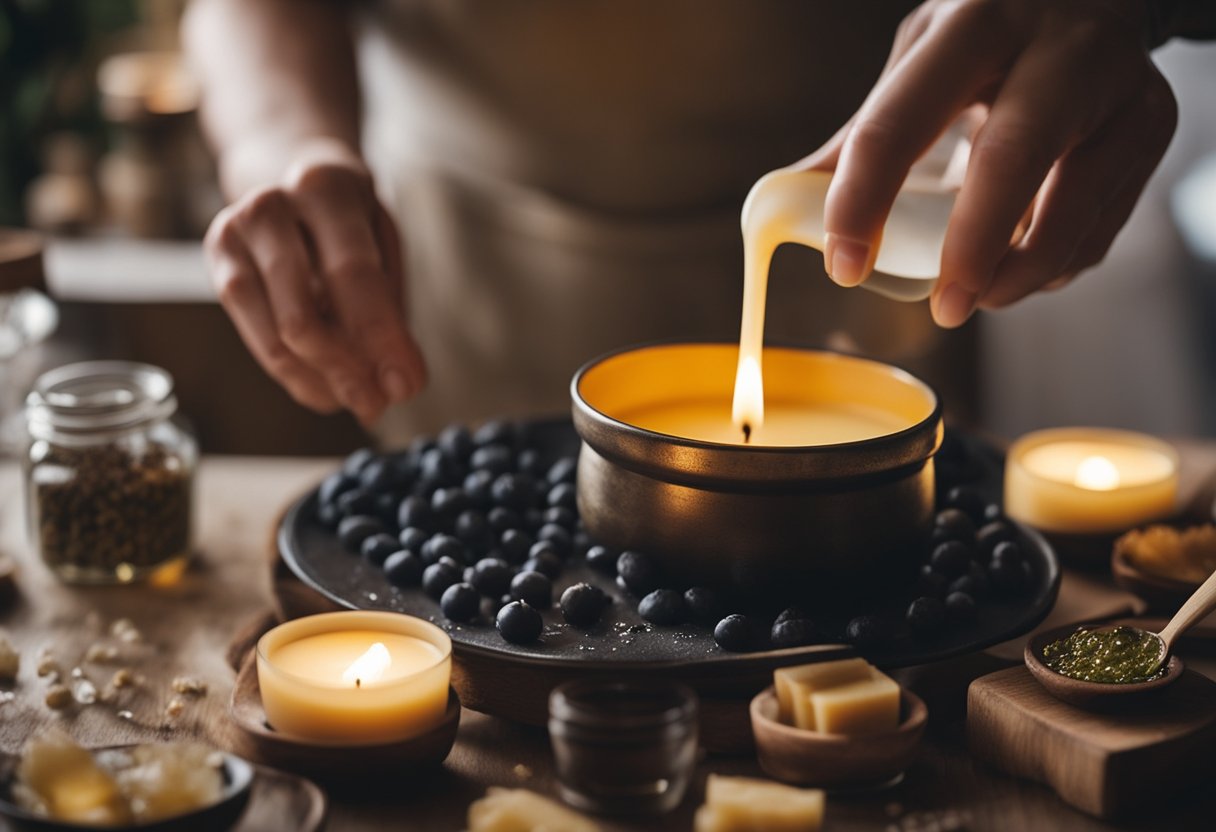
{"type": "Point", "coordinates": [1097, 473]}
{"type": "Point", "coordinates": [747, 411]}
{"type": "Point", "coordinates": [369, 667]}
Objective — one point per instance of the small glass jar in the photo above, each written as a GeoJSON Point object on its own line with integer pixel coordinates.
{"type": "Point", "coordinates": [623, 747]}
{"type": "Point", "coordinates": [109, 472]}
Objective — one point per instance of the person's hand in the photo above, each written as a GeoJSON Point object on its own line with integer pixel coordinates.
{"type": "Point", "coordinates": [1073, 119]}
{"type": "Point", "coordinates": [310, 272]}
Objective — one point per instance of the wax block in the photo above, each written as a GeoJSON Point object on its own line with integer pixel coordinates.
{"type": "Point", "coordinates": [811, 677]}
{"type": "Point", "coordinates": [67, 781]}
{"type": "Point", "coordinates": [520, 810]}
{"type": "Point", "coordinates": [743, 804]}
{"type": "Point", "coordinates": [864, 707]}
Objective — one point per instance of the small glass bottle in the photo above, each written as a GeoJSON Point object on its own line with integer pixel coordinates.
{"type": "Point", "coordinates": [623, 747]}
{"type": "Point", "coordinates": [109, 472]}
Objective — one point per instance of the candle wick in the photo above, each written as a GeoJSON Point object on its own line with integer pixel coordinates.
{"type": "Point", "coordinates": [358, 682]}
{"type": "Point", "coordinates": [747, 433]}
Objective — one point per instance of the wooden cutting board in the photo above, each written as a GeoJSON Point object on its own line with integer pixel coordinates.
{"type": "Point", "coordinates": [1111, 765]}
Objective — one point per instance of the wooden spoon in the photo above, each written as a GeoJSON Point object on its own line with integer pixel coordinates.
{"type": "Point", "coordinates": [1088, 694]}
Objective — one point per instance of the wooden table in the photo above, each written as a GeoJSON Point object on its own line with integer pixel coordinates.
{"type": "Point", "coordinates": [187, 627]}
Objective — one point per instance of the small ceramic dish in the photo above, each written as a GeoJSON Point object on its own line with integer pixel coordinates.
{"type": "Point", "coordinates": [836, 761]}
{"type": "Point", "coordinates": [217, 817]}
{"type": "Point", "coordinates": [1161, 593]}
{"type": "Point", "coordinates": [349, 768]}
{"type": "Point", "coordinates": [1090, 695]}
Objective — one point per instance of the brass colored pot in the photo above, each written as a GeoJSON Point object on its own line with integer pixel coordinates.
{"type": "Point", "coordinates": [837, 518]}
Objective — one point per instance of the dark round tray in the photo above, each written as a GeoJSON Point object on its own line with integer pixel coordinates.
{"type": "Point", "coordinates": [623, 641]}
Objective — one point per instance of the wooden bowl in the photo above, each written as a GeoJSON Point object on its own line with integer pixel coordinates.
{"type": "Point", "coordinates": [1162, 594]}
{"type": "Point", "coordinates": [836, 760]}
{"type": "Point", "coordinates": [349, 768]}
{"type": "Point", "coordinates": [1097, 696]}
{"type": "Point", "coordinates": [216, 817]}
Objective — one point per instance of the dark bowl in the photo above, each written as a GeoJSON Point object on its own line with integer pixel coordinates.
{"type": "Point", "coordinates": [218, 816]}
{"type": "Point", "coordinates": [839, 517]}
{"type": "Point", "coordinates": [1091, 695]}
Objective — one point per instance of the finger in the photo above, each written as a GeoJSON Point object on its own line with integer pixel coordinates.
{"type": "Point", "coordinates": [1037, 117]}
{"type": "Point", "coordinates": [390, 248]}
{"type": "Point", "coordinates": [340, 216]}
{"type": "Point", "coordinates": [908, 109]}
{"type": "Point", "coordinates": [1080, 189]}
{"type": "Point", "coordinates": [242, 296]}
{"type": "Point", "coordinates": [270, 229]}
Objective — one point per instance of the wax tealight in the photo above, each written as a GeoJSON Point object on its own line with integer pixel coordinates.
{"type": "Point", "coordinates": [1090, 480]}
{"type": "Point", "coordinates": [354, 677]}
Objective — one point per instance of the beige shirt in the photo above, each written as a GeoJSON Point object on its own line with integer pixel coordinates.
{"type": "Point", "coordinates": [568, 176]}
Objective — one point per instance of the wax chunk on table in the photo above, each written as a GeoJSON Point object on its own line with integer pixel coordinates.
{"type": "Point", "coordinates": [866, 707]}
{"type": "Point", "coordinates": [520, 810]}
{"type": "Point", "coordinates": [744, 804]}
{"type": "Point", "coordinates": [807, 678]}
{"type": "Point", "coordinates": [67, 781]}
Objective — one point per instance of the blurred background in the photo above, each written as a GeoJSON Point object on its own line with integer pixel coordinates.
{"type": "Point", "coordinates": [100, 151]}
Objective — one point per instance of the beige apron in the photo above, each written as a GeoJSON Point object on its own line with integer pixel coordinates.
{"type": "Point", "coordinates": [568, 178]}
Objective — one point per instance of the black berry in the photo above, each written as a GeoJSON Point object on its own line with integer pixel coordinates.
{"type": "Point", "coordinates": [582, 604]}
{"type": "Point", "coordinates": [960, 607]}
{"type": "Point", "coordinates": [561, 516]}
{"type": "Point", "coordinates": [602, 559]}
{"type": "Point", "coordinates": [492, 459]}
{"type": "Point", "coordinates": [954, 524]}
{"type": "Point", "coordinates": [967, 499]}
{"type": "Point", "coordinates": [562, 471]}
{"type": "Point", "coordinates": [460, 602]}
{"type": "Point", "coordinates": [403, 568]}
{"type": "Point", "coordinates": [356, 501]}
{"type": "Point", "coordinates": [515, 545]}
{"type": "Point", "coordinates": [926, 615]}
{"type": "Point", "coordinates": [443, 546]}
{"type": "Point", "coordinates": [664, 607]}
{"type": "Point", "coordinates": [533, 587]}
{"type": "Point", "coordinates": [793, 632]}
{"type": "Point", "coordinates": [990, 534]}
{"type": "Point", "coordinates": [456, 442]}
{"type": "Point", "coordinates": [492, 576]}
{"type": "Point", "coordinates": [352, 531]}
{"type": "Point", "coordinates": [415, 511]}
{"type": "Point", "coordinates": [559, 537]}
{"type": "Point", "coordinates": [867, 631]}
{"type": "Point", "coordinates": [638, 572]}
{"type": "Point", "coordinates": [734, 633]}
{"type": "Point", "coordinates": [519, 623]}
{"type": "Point", "coordinates": [543, 562]}
{"type": "Point", "coordinates": [513, 491]}
{"type": "Point", "coordinates": [704, 604]}
{"type": "Point", "coordinates": [496, 432]}
{"type": "Point", "coordinates": [502, 519]}
{"type": "Point", "coordinates": [438, 577]}
{"type": "Point", "coordinates": [412, 538]}
{"type": "Point", "coordinates": [377, 547]}
{"type": "Point", "coordinates": [951, 558]}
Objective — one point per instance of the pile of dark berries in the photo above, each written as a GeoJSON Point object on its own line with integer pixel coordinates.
{"type": "Point", "coordinates": [485, 527]}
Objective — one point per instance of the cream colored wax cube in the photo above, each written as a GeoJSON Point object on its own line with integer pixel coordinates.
{"type": "Point", "coordinates": [865, 707]}
{"type": "Point", "coordinates": [520, 810]}
{"type": "Point", "coordinates": [794, 684]}
{"type": "Point", "coordinates": [743, 804]}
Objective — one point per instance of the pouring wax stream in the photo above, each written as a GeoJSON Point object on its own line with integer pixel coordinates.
{"type": "Point", "coordinates": [787, 206]}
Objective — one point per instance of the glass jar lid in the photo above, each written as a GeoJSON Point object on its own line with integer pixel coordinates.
{"type": "Point", "coordinates": [99, 396]}
{"type": "Point", "coordinates": [623, 709]}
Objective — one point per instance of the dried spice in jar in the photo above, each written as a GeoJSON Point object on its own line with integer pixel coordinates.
{"type": "Point", "coordinates": [109, 472]}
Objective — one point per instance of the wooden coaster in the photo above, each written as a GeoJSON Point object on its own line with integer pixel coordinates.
{"type": "Point", "coordinates": [1107, 764]}
{"type": "Point", "coordinates": [347, 767]}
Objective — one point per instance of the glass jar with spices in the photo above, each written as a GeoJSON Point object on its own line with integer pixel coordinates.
{"type": "Point", "coordinates": [109, 472]}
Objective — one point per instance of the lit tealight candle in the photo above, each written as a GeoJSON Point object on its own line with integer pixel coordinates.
{"type": "Point", "coordinates": [354, 677]}
{"type": "Point", "coordinates": [1089, 480]}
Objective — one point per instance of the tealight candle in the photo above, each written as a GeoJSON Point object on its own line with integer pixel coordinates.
{"type": "Point", "coordinates": [1090, 481]}
{"type": "Point", "coordinates": [350, 678]}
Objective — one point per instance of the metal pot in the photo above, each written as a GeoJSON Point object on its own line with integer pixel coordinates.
{"type": "Point", "coordinates": [835, 518]}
